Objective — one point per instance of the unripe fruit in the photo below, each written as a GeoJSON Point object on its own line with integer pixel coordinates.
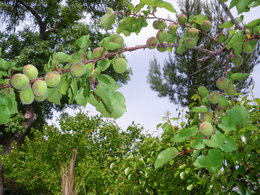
{"type": "Point", "coordinates": [78, 69]}
{"type": "Point", "coordinates": [182, 19]}
{"type": "Point", "coordinates": [193, 32]}
{"type": "Point", "coordinates": [160, 48]}
{"type": "Point", "coordinates": [161, 36]}
{"type": "Point", "coordinates": [52, 79]}
{"type": "Point", "coordinates": [213, 97]}
{"type": "Point", "coordinates": [120, 65]}
{"type": "Point", "coordinates": [231, 90]}
{"type": "Point", "coordinates": [206, 128]}
{"type": "Point", "coordinates": [26, 95]}
{"type": "Point", "coordinates": [206, 117]}
{"type": "Point", "coordinates": [190, 42]}
{"type": "Point", "coordinates": [203, 91]}
{"type": "Point", "coordinates": [206, 25]}
{"type": "Point", "coordinates": [237, 60]}
{"type": "Point", "coordinates": [39, 88]}
{"type": "Point", "coordinates": [40, 98]}
{"type": "Point", "coordinates": [222, 83]}
{"type": "Point", "coordinates": [30, 71]}
{"type": "Point", "coordinates": [20, 81]}
{"type": "Point", "coordinates": [172, 28]}
{"type": "Point", "coordinates": [152, 42]}
{"type": "Point", "coordinates": [223, 102]}
{"type": "Point", "coordinates": [97, 52]}
{"type": "Point", "coordinates": [159, 24]}
{"type": "Point", "coordinates": [221, 37]}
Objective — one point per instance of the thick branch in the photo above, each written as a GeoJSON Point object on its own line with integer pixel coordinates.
{"type": "Point", "coordinates": [29, 117]}
{"type": "Point", "coordinates": [38, 18]}
{"type": "Point", "coordinates": [33, 11]}
{"type": "Point", "coordinates": [230, 15]}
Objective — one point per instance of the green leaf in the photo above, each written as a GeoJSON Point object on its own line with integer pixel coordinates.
{"type": "Point", "coordinates": [103, 64]}
{"type": "Point", "coordinates": [239, 76]}
{"type": "Point", "coordinates": [185, 134]}
{"type": "Point", "coordinates": [227, 24]}
{"type": "Point", "coordinates": [165, 156]}
{"type": "Point", "coordinates": [199, 19]}
{"type": "Point", "coordinates": [80, 98]}
{"type": "Point", "coordinates": [61, 57]}
{"type": "Point", "coordinates": [4, 65]}
{"type": "Point", "coordinates": [11, 100]}
{"type": "Point", "coordinates": [5, 112]}
{"type": "Point", "coordinates": [83, 42]}
{"type": "Point", "coordinates": [64, 86]}
{"type": "Point", "coordinates": [200, 109]}
{"type": "Point", "coordinates": [108, 19]}
{"type": "Point", "coordinates": [236, 42]}
{"type": "Point", "coordinates": [198, 145]}
{"type": "Point", "coordinates": [159, 3]}
{"type": "Point", "coordinates": [54, 95]}
{"type": "Point", "coordinates": [249, 46]}
{"type": "Point", "coordinates": [227, 124]}
{"type": "Point", "coordinates": [239, 114]}
{"type": "Point", "coordinates": [221, 141]}
{"type": "Point", "coordinates": [254, 4]}
{"type": "Point", "coordinates": [242, 6]}
{"type": "Point", "coordinates": [233, 3]}
{"type": "Point", "coordinates": [212, 162]}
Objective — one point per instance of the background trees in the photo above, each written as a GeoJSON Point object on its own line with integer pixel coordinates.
{"type": "Point", "coordinates": [182, 73]}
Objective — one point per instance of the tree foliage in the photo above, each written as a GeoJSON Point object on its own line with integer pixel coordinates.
{"type": "Point", "coordinates": [182, 73]}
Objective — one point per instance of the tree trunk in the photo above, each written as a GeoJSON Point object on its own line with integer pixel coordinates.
{"type": "Point", "coordinates": [1, 180]}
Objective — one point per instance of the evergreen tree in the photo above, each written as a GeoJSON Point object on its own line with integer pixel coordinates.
{"type": "Point", "coordinates": [181, 74]}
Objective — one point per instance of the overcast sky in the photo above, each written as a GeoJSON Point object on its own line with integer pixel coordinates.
{"type": "Point", "coordinates": [143, 104]}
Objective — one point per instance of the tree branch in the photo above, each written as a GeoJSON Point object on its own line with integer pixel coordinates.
{"type": "Point", "coordinates": [29, 117]}
{"type": "Point", "coordinates": [33, 11]}
{"type": "Point", "coordinates": [225, 8]}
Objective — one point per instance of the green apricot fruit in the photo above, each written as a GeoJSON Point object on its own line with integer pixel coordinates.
{"type": "Point", "coordinates": [97, 52]}
{"type": "Point", "coordinates": [203, 91]}
{"type": "Point", "coordinates": [26, 95]}
{"type": "Point", "coordinates": [20, 81]}
{"type": "Point", "coordinates": [159, 24]}
{"type": "Point", "coordinates": [213, 97]}
{"type": "Point", "coordinates": [222, 83]}
{"type": "Point", "coordinates": [161, 36]}
{"type": "Point", "coordinates": [237, 60]}
{"type": "Point", "coordinates": [223, 102]}
{"type": "Point", "coordinates": [193, 32]}
{"type": "Point", "coordinates": [41, 98]}
{"type": "Point", "coordinates": [161, 48]}
{"type": "Point", "coordinates": [78, 69]}
{"type": "Point", "coordinates": [39, 88]}
{"type": "Point", "coordinates": [172, 28]}
{"type": "Point", "coordinates": [120, 65]}
{"type": "Point", "coordinates": [221, 37]}
{"type": "Point", "coordinates": [182, 19]}
{"type": "Point", "coordinates": [206, 128]}
{"type": "Point", "coordinates": [206, 117]}
{"type": "Point", "coordinates": [231, 90]}
{"type": "Point", "coordinates": [52, 79]}
{"type": "Point", "coordinates": [206, 25]}
{"type": "Point", "coordinates": [30, 71]}
{"type": "Point", "coordinates": [152, 42]}
{"type": "Point", "coordinates": [190, 42]}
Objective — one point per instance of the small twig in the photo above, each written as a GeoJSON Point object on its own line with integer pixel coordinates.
{"type": "Point", "coordinates": [187, 151]}
{"type": "Point", "coordinates": [230, 15]}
